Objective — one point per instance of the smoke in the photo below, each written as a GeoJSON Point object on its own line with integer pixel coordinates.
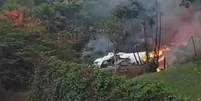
{"type": "Point", "coordinates": [100, 9]}
{"type": "Point", "coordinates": [178, 23]}
{"type": "Point", "coordinates": [99, 45]}
{"type": "Point", "coordinates": [103, 8]}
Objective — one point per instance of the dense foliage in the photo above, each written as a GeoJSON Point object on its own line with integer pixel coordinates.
{"type": "Point", "coordinates": [42, 42]}
{"type": "Point", "coordinates": [19, 51]}
{"type": "Point", "coordinates": [64, 81]}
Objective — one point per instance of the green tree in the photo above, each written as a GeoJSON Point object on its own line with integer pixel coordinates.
{"type": "Point", "coordinates": [15, 4]}
{"type": "Point", "coordinates": [47, 14]}
{"type": "Point", "coordinates": [2, 2]}
{"type": "Point", "coordinates": [20, 52]}
{"type": "Point", "coordinates": [137, 12]}
{"type": "Point", "coordinates": [16, 67]}
{"type": "Point", "coordinates": [186, 3]}
{"type": "Point", "coordinates": [70, 10]}
{"type": "Point", "coordinates": [129, 14]}
{"type": "Point", "coordinates": [113, 30]}
{"type": "Point", "coordinates": [72, 16]}
{"type": "Point", "coordinates": [11, 6]}
{"type": "Point", "coordinates": [148, 17]}
{"type": "Point", "coordinates": [73, 20]}
{"type": "Point", "coordinates": [39, 2]}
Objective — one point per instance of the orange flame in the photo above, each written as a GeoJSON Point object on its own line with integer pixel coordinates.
{"type": "Point", "coordinates": [184, 43]}
{"type": "Point", "coordinates": [160, 54]}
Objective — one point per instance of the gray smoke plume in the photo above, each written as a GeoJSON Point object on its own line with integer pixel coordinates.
{"type": "Point", "coordinates": [103, 8]}
{"type": "Point", "coordinates": [98, 10]}
{"type": "Point", "coordinates": [99, 46]}
{"type": "Point", "coordinates": [178, 23]}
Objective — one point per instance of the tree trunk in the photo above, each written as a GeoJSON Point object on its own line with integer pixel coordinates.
{"type": "Point", "coordinates": [146, 43]}
{"type": "Point", "coordinates": [135, 58]}
{"type": "Point", "coordinates": [157, 36]}
{"type": "Point", "coordinates": [115, 58]}
{"type": "Point", "coordinates": [159, 40]}
{"type": "Point", "coordinates": [138, 55]}
{"type": "Point", "coordinates": [164, 63]}
{"type": "Point", "coordinates": [115, 61]}
{"type": "Point", "coordinates": [136, 50]}
{"type": "Point", "coordinates": [156, 39]}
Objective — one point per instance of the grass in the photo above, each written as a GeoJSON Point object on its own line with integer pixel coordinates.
{"type": "Point", "coordinates": [184, 78]}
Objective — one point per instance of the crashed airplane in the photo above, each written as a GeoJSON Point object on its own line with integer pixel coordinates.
{"type": "Point", "coordinates": [108, 60]}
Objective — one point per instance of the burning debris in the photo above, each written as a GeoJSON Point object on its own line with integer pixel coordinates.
{"type": "Point", "coordinates": [176, 27]}
{"type": "Point", "coordinates": [128, 59]}
{"type": "Point", "coordinates": [160, 56]}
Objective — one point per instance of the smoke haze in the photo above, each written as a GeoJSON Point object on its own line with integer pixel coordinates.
{"type": "Point", "coordinates": [178, 23]}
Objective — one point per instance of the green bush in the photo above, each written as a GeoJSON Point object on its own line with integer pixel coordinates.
{"type": "Point", "coordinates": [1, 89]}
{"type": "Point", "coordinates": [16, 67]}
{"type": "Point", "coordinates": [20, 50]}
{"type": "Point", "coordinates": [64, 81]}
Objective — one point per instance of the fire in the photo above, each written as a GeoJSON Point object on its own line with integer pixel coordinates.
{"type": "Point", "coordinates": [184, 43]}
{"type": "Point", "coordinates": [158, 70]}
{"type": "Point", "coordinates": [160, 54]}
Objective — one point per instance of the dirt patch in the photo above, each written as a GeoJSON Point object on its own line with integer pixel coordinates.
{"type": "Point", "coordinates": [129, 71]}
{"type": "Point", "coordinates": [132, 71]}
{"type": "Point", "coordinates": [13, 96]}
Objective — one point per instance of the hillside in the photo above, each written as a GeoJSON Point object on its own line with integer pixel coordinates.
{"type": "Point", "coordinates": [184, 78]}
{"type": "Point", "coordinates": [47, 48]}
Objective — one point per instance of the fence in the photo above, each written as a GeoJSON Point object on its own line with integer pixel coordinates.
{"type": "Point", "coordinates": [192, 51]}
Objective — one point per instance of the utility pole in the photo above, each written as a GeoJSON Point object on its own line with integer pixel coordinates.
{"type": "Point", "coordinates": [195, 52]}
{"type": "Point", "coordinates": [159, 36]}
{"type": "Point", "coordinates": [156, 39]}
{"type": "Point", "coordinates": [158, 31]}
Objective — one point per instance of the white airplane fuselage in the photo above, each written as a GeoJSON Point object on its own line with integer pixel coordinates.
{"type": "Point", "coordinates": [98, 62]}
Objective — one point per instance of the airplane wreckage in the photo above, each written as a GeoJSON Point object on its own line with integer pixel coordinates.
{"type": "Point", "coordinates": [127, 58]}
{"type": "Point", "coordinates": [131, 59]}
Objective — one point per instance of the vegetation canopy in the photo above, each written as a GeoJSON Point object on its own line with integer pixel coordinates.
{"type": "Point", "coordinates": [47, 48]}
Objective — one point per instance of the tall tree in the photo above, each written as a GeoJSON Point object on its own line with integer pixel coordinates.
{"type": "Point", "coordinates": [47, 14]}
{"type": "Point", "coordinates": [10, 7]}
{"type": "Point", "coordinates": [186, 3]}
{"type": "Point", "coordinates": [146, 16]}
{"type": "Point", "coordinates": [129, 14]}
{"type": "Point", "coordinates": [113, 29]}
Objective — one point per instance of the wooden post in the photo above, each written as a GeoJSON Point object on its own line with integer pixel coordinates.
{"type": "Point", "coordinates": [164, 63]}
{"type": "Point", "coordinates": [195, 52]}
{"type": "Point", "coordinates": [186, 48]}
{"type": "Point", "coordinates": [146, 43]}
{"type": "Point", "coordinates": [159, 40]}
{"type": "Point", "coordinates": [156, 39]}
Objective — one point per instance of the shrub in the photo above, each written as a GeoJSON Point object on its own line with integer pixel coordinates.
{"type": "Point", "coordinates": [62, 81]}
{"type": "Point", "coordinates": [16, 67]}
{"type": "Point", "coordinates": [19, 51]}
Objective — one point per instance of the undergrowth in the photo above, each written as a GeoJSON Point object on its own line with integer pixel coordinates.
{"type": "Point", "coordinates": [62, 81]}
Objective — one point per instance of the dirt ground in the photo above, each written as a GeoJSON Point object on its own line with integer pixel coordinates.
{"type": "Point", "coordinates": [13, 96]}
{"type": "Point", "coordinates": [130, 71]}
